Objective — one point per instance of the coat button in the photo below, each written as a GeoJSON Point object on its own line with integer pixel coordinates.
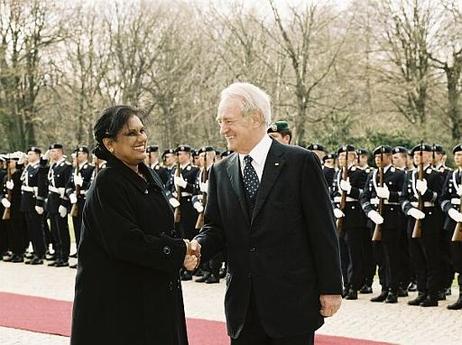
{"type": "Point", "coordinates": [146, 191]}
{"type": "Point", "coordinates": [249, 275]}
{"type": "Point", "coordinates": [170, 286]}
{"type": "Point", "coordinates": [166, 250]}
{"type": "Point", "coordinates": [253, 249]}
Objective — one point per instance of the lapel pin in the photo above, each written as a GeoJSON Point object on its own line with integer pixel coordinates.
{"type": "Point", "coordinates": [276, 164]}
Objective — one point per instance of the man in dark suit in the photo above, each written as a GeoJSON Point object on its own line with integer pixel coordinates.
{"type": "Point", "coordinates": [269, 207]}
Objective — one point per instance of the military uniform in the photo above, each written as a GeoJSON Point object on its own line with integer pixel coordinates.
{"type": "Point", "coordinates": [3, 232]}
{"type": "Point", "coordinates": [58, 176]}
{"type": "Point", "coordinates": [425, 251]}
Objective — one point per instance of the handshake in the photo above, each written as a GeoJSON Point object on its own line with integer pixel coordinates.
{"type": "Point", "coordinates": [192, 258]}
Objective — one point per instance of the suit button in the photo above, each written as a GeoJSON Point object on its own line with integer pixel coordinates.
{"type": "Point", "coordinates": [253, 249]}
{"type": "Point", "coordinates": [170, 286]}
{"type": "Point", "coordinates": [166, 250]}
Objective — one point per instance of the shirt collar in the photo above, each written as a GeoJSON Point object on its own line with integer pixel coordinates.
{"type": "Point", "coordinates": [259, 152]}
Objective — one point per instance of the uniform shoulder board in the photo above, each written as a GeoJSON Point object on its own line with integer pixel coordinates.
{"type": "Point", "coordinates": [157, 167]}
{"type": "Point", "coordinates": [392, 169]}
{"type": "Point", "coordinates": [85, 166]}
{"type": "Point", "coordinates": [188, 168]}
{"type": "Point", "coordinates": [368, 170]}
{"type": "Point", "coordinates": [353, 168]}
{"type": "Point", "coordinates": [429, 170]}
{"type": "Point", "coordinates": [67, 163]}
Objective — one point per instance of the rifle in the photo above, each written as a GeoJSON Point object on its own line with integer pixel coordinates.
{"type": "Point", "coordinates": [204, 178]}
{"type": "Point", "coordinates": [75, 207]}
{"type": "Point", "coordinates": [344, 195]}
{"type": "Point", "coordinates": [178, 190]}
{"type": "Point", "coordinates": [7, 211]}
{"type": "Point", "coordinates": [377, 235]}
{"type": "Point", "coordinates": [417, 231]}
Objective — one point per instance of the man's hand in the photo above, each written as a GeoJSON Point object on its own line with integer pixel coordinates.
{"type": "Point", "coordinates": [416, 213]}
{"type": "Point", "coordinates": [330, 304]}
{"type": "Point", "coordinates": [180, 181]}
{"type": "Point", "coordinates": [421, 186]}
{"type": "Point", "coordinates": [383, 192]}
{"type": "Point", "coordinates": [78, 180]}
{"type": "Point", "coordinates": [338, 213]}
{"type": "Point", "coordinates": [62, 211]}
{"type": "Point", "coordinates": [195, 248]}
{"type": "Point", "coordinates": [190, 262]}
{"type": "Point", "coordinates": [10, 184]}
{"type": "Point", "coordinates": [39, 210]}
{"type": "Point", "coordinates": [345, 186]}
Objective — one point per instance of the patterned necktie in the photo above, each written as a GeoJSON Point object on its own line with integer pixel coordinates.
{"type": "Point", "coordinates": [251, 182]}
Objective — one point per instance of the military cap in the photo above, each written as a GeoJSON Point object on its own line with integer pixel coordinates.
{"type": "Point", "coordinates": [346, 148]}
{"type": "Point", "coordinates": [382, 149]}
{"type": "Point", "coordinates": [184, 148]}
{"type": "Point", "coordinates": [2, 157]}
{"type": "Point", "coordinates": [399, 149]}
{"type": "Point", "coordinates": [438, 149]}
{"type": "Point", "coordinates": [194, 152]}
{"type": "Point", "coordinates": [362, 151]}
{"type": "Point", "coordinates": [217, 152]}
{"type": "Point", "coordinates": [34, 149]}
{"type": "Point", "coordinates": [152, 148]}
{"type": "Point", "coordinates": [168, 151]}
{"type": "Point", "coordinates": [15, 156]}
{"type": "Point", "coordinates": [206, 149]}
{"type": "Point", "coordinates": [317, 147]}
{"type": "Point", "coordinates": [329, 156]}
{"type": "Point", "coordinates": [457, 148]}
{"type": "Point", "coordinates": [226, 153]}
{"type": "Point", "coordinates": [56, 146]}
{"type": "Point", "coordinates": [82, 148]}
{"type": "Point", "coordinates": [278, 126]}
{"type": "Point", "coordinates": [421, 147]}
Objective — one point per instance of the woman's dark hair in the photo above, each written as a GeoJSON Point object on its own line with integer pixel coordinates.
{"type": "Point", "coordinates": [109, 124]}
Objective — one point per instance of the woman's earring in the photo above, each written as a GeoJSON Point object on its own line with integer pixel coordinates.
{"type": "Point", "coordinates": [111, 150]}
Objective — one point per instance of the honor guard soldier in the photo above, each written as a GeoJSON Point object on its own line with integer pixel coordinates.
{"type": "Point", "coordinates": [421, 190]}
{"type": "Point", "coordinates": [181, 185]}
{"type": "Point", "coordinates": [363, 157]}
{"type": "Point", "coordinates": [4, 254]}
{"type": "Point", "coordinates": [348, 184]}
{"type": "Point", "coordinates": [98, 164]}
{"type": "Point", "coordinates": [34, 193]}
{"type": "Point", "coordinates": [439, 161]}
{"type": "Point", "coordinates": [280, 132]}
{"type": "Point", "coordinates": [317, 149]}
{"type": "Point", "coordinates": [77, 188]}
{"type": "Point", "coordinates": [152, 161]}
{"type": "Point", "coordinates": [169, 160]}
{"type": "Point", "coordinates": [328, 168]}
{"type": "Point", "coordinates": [58, 203]}
{"type": "Point", "coordinates": [380, 202]}
{"type": "Point", "coordinates": [400, 158]}
{"type": "Point", "coordinates": [195, 157]}
{"type": "Point", "coordinates": [10, 197]}
{"type": "Point", "coordinates": [451, 205]}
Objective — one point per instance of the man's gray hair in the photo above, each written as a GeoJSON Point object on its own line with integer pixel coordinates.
{"type": "Point", "coordinates": [252, 98]}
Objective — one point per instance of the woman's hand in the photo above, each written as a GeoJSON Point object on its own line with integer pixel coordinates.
{"type": "Point", "coordinates": [190, 262]}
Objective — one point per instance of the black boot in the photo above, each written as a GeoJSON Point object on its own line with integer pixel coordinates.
{"type": "Point", "coordinates": [366, 289]}
{"type": "Point", "coordinates": [380, 298]}
{"type": "Point", "coordinates": [392, 298]}
{"type": "Point", "coordinates": [204, 277]}
{"type": "Point", "coordinates": [419, 299]}
{"type": "Point", "coordinates": [352, 295]}
{"type": "Point", "coordinates": [458, 304]}
{"type": "Point", "coordinates": [430, 301]}
{"type": "Point", "coordinates": [212, 279]}
{"type": "Point", "coordinates": [441, 295]}
{"type": "Point", "coordinates": [412, 287]}
{"type": "Point", "coordinates": [402, 293]}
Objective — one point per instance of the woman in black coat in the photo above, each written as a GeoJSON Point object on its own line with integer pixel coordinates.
{"type": "Point", "coordinates": [127, 289]}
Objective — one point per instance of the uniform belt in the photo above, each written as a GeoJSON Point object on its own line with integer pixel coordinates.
{"type": "Point", "coordinates": [185, 194]}
{"type": "Point", "coordinates": [59, 191]}
{"type": "Point", "coordinates": [347, 199]}
{"type": "Point", "coordinates": [376, 201]}
{"type": "Point", "coordinates": [83, 192]}
{"type": "Point", "coordinates": [425, 204]}
{"type": "Point", "coordinates": [455, 201]}
{"type": "Point", "coordinates": [29, 189]}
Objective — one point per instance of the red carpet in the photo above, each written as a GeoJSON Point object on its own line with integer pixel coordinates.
{"type": "Point", "coordinates": [45, 315]}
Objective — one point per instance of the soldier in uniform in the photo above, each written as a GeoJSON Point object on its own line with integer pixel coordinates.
{"type": "Point", "coordinates": [169, 160]}
{"type": "Point", "coordinates": [77, 188]}
{"type": "Point", "coordinates": [152, 161]}
{"type": "Point", "coordinates": [328, 168]}
{"type": "Point", "coordinates": [58, 203]}
{"type": "Point", "coordinates": [425, 251]}
{"type": "Point", "coordinates": [354, 220]}
{"type": "Point", "coordinates": [185, 183]}
{"type": "Point", "coordinates": [387, 249]}
{"type": "Point", "coordinates": [318, 150]}
{"type": "Point", "coordinates": [280, 131]}
{"type": "Point", "coordinates": [451, 206]}
{"type": "Point", "coordinates": [4, 253]}
{"type": "Point", "coordinates": [98, 165]}
{"type": "Point", "coordinates": [10, 197]}
{"type": "Point", "coordinates": [34, 192]}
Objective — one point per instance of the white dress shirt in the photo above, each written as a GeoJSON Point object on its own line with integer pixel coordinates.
{"type": "Point", "coordinates": [258, 154]}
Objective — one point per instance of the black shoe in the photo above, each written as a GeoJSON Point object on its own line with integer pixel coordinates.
{"type": "Point", "coordinates": [392, 298]}
{"type": "Point", "coordinates": [366, 289]}
{"type": "Point", "coordinates": [199, 273]}
{"type": "Point", "coordinates": [36, 261]}
{"type": "Point", "coordinates": [412, 287]}
{"type": "Point", "coordinates": [352, 295]}
{"type": "Point", "coordinates": [50, 257]}
{"type": "Point", "coordinates": [73, 255]}
{"type": "Point", "coordinates": [457, 305]}
{"type": "Point", "coordinates": [402, 292]}
{"type": "Point", "coordinates": [380, 298]}
{"type": "Point", "coordinates": [203, 278]}
{"type": "Point", "coordinates": [345, 292]}
{"type": "Point", "coordinates": [29, 255]}
{"type": "Point", "coordinates": [212, 279]}
{"type": "Point", "coordinates": [448, 291]}
{"type": "Point", "coordinates": [430, 301]}
{"type": "Point", "coordinates": [61, 263]}
{"type": "Point", "coordinates": [441, 296]}
{"type": "Point", "coordinates": [186, 276]}
{"type": "Point", "coordinates": [8, 258]}
{"type": "Point", "coordinates": [222, 272]}
{"type": "Point", "coordinates": [419, 299]}
{"type": "Point", "coordinates": [52, 264]}
{"type": "Point", "coordinates": [73, 266]}
{"type": "Point", "coordinates": [17, 258]}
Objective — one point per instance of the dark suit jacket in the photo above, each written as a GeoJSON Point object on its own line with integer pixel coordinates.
{"type": "Point", "coordinates": [287, 252]}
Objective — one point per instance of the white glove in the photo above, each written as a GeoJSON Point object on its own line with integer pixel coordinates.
{"type": "Point", "coordinates": [421, 186]}
{"type": "Point", "coordinates": [416, 213]}
{"type": "Point", "coordinates": [338, 213]}
{"type": "Point", "coordinates": [383, 192]}
{"type": "Point", "coordinates": [459, 191]}
{"type": "Point", "coordinates": [62, 211]}
{"type": "Point", "coordinates": [198, 206]}
{"type": "Point", "coordinates": [179, 181]}
{"type": "Point", "coordinates": [39, 209]}
{"type": "Point", "coordinates": [73, 198]}
{"type": "Point", "coordinates": [174, 202]}
{"type": "Point", "coordinates": [345, 186]}
{"type": "Point", "coordinates": [6, 203]}
{"type": "Point", "coordinates": [204, 186]}
{"type": "Point", "coordinates": [78, 180]}
{"type": "Point", "coordinates": [375, 217]}
{"type": "Point", "coordinates": [455, 215]}
{"type": "Point", "coordinates": [10, 184]}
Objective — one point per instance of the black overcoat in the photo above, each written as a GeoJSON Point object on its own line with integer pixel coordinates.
{"type": "Point", "coordinates": [127, 286]}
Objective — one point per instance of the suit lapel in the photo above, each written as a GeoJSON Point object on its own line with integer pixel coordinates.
{"type": "Point", "coordinates": [234, 177]}
{"type": "Point", "coordinates": [273, 166]}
